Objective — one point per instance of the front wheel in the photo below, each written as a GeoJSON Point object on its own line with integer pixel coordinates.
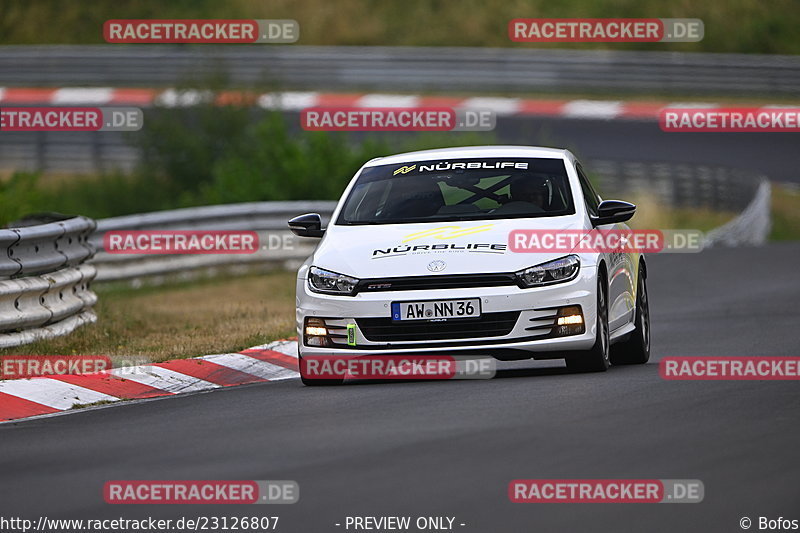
{"type": "Point", "coordinates": [597, 358]}
{"type": "Point", "coordinates": [636, 349]}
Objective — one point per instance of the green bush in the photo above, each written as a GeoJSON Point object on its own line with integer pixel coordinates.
{"type": "Point", "coordinates": [276, 165]}
{"type": "Point", "coordinates": [20, 196]}
{"type": "Point", "coordinates": [181, 146]}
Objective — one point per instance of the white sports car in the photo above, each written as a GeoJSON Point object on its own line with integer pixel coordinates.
{"type": "Point", "coordinates": [416, 260]}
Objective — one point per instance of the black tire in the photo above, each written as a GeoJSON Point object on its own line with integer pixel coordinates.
{"type": "Point", "coordinates": [635, 350]}
{"type": "Point", "coordinates": [596, 359]}
{"type": "Point", "coordinates": [313, 382]}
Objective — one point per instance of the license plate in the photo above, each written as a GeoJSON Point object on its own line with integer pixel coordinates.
{"type": "Point", "coordinates": [436, 309]}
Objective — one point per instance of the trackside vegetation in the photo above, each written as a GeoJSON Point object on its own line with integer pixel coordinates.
{"type": "Point", "coordinates": [739, 26]}
{"type": "Point", "coordinates": [210, 154]}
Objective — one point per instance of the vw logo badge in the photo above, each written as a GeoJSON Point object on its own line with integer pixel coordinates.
{"type": "Point", "coordinates": [437, 266]}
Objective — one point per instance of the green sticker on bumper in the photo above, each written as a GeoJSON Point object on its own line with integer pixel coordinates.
{"type": "Point", "coordinates": [351, 334]}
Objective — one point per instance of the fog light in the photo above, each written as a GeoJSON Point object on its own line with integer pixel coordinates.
{"type": "Point", "coordinates": [569, 321]}
{"type": "Point", "coordinates": [322, 342]}
{"type": "Point", "coordinates": [316, 332]}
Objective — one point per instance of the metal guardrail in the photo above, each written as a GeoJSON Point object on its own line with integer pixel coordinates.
{"type": "Point", "coordinates": [41, 248]}
{"type": "Point", "coordinates": [676, 185]}
{"type": "Point", "coordinates": [405, 68]}
{"type": "Point", "coordinates": [751, 227]}
{"type": "Point", "coordinates": [267, 219]}
{"type": "Point", "coordinates": [716, 188]}
{"type": "Point", "coordinates": [70, 152]}
{"type": "Point", "coordinates": [44, 281]}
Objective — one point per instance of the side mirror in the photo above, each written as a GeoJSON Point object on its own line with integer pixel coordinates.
{"type": "Point", "coordinates": [309, 225]}
{"type": "Point", "coordinates": [613, 211]}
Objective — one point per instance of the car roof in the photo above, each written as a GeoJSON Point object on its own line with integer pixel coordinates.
{"type": "Point", "coordinates": [467, 152]}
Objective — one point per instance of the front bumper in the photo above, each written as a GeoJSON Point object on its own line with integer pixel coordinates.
{"type": "Point", "coordinates": [513, 319]}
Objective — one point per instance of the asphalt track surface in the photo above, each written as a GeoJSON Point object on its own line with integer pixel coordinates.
{"type": "Point", "coordinates": [450, 448]}
{"type": "Point", "coordinates": [773, 154]}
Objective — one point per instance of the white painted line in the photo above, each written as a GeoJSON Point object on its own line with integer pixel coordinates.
{"type": "Point", "coordinates": [250, 365]}
{"type": "Point", "coordinates": [289, 101]}
{"type": "Point", "coordinates": [592, 109]}
{"type": "Point", "coordinates": [286, 348]}
{"type": "Point", "coordinates": [86, 95]}
{"type": "Point", "coordinates": [501, 106]}
{"type": "Point", "coordinates": [164, 379]}
{"type": "Point", "coordinates": [53, 393]}
{"type": "Point", "coordinates": [388, 100]}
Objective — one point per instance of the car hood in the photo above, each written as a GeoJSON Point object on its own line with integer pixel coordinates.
{"type": "Point", "coordinates": [397, 250]}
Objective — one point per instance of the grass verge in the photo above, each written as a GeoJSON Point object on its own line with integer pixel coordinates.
{"type": "Point", "coordinates": [181, 320]}
{"type": "Point", "coordinates": [650, 214]}
{"type": "Point", "coordinates": [785, 212]}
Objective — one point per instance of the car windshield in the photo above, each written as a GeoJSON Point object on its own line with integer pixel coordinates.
{"type": "Point", "coordinates": [458, 189]}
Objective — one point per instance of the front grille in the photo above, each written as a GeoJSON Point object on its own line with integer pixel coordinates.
{"type": "Point", "coordinates": [387, 330]}
{"type": "Point", "coordinates": [449, 281]}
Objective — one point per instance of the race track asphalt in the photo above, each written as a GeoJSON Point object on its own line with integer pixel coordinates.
{"type": "Point", "coordinates": [450, 448]}
{"type": "Point", "coordinates": [772, 154]}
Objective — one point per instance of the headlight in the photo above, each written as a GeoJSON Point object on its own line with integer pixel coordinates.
{"type": "Point", "coordinates": [556, 271]}
{"type": "Point", "coordinates": [330, 282]}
